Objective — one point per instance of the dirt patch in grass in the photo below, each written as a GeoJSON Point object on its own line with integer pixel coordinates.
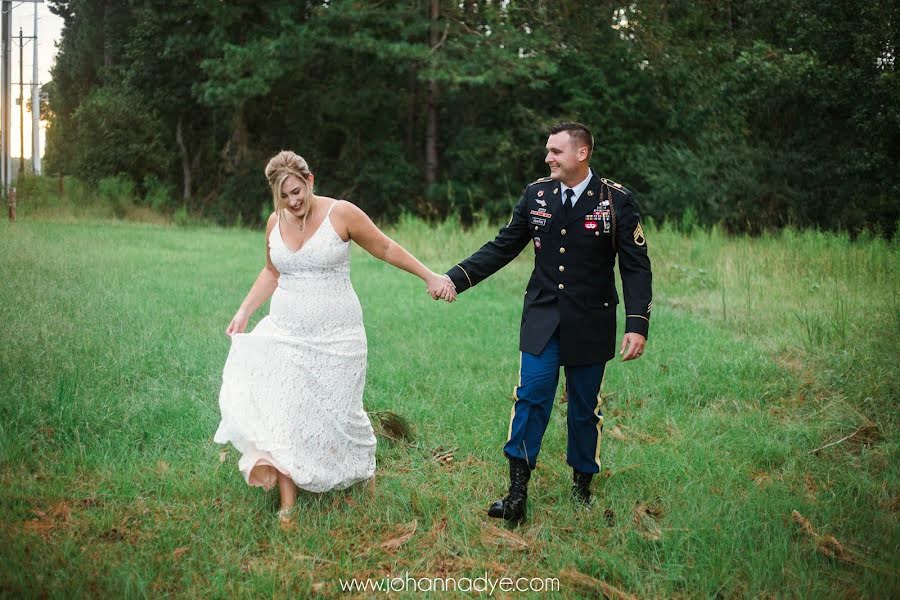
{"type": "Point", "coordinates": [646, 518]}
{"type": "Point", "coordinates": [573, 578]}
{"type": "Point", "coordinates": [827, 545]}
{"type": "Point", "coordinates": [47, 522]}
{"type": "Point", "coordinates": [761, 478]}
{"type": "Point", "coordinates": [492, 535]}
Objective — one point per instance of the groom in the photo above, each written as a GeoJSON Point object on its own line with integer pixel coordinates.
{"type": "Point", "coordinates": [578, 223]}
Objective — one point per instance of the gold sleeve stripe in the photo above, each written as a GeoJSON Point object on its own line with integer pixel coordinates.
{"type": "Point", "coordinates": [466, 274]}
{"type": "Point", "coordinates": [639, 317]}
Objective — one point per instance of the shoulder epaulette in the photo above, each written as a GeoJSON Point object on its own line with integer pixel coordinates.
{"type": "Point", "coordinates": [541, 180]}
{"type": "Point", "coordinates": [616, 186]}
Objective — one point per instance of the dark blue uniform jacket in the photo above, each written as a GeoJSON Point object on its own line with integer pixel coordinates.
{"type": "Point", "coordinates": [572, 285]}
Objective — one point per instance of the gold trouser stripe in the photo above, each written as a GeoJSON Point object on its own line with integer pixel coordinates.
{"type": "Point", "coordinates": [512, 415]}
{"type": "Point", "coordinates": [638, 316]}
{"type": "Point", "coordinates": [599, 431]}
{"type": "Point", "coordinates": [512, 412]}
{"type": "Point", "coordinates": [466, 274]}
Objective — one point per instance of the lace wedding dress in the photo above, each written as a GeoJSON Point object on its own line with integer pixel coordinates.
{"type": "Point", "coordinates": [291, 396]}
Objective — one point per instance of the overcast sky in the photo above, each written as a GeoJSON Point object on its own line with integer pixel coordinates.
{"type": "Point", "coordinates": [49, 29]}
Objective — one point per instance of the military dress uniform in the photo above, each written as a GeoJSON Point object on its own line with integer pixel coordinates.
{"type": "Point", "coordinates": [569, 312]}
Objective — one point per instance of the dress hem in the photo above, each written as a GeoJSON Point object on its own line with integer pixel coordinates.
{"type": "Point", "coordinates": [263, 455]}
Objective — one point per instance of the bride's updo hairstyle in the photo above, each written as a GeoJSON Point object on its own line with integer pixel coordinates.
{"type": "Point", "coordinates": [280, 166]}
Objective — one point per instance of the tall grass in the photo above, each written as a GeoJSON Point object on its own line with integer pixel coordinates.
{"type": "Point", "coordinates": [769, 386]}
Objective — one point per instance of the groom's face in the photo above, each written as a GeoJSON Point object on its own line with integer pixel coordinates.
{"type": "Point", "coordinates": [563, 156]}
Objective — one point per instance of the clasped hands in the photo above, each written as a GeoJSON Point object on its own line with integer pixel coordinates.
{"type": "Point", "coordinates": [441, 287]}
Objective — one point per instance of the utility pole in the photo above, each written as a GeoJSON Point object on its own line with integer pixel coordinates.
{"type": "Point", "coordinates": [6, 7]}
{"type": "Point", "coordinates": [5, 67]}
{"type": "Point", "coordinates": [35, 105]}
{"type": "Point", "coordinates": [21, 108]}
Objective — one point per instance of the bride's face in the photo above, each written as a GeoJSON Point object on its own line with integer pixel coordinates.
{"type": "Point", "coordinates": [293, 194]}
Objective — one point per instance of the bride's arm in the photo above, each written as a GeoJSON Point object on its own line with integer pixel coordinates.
{"type": "Point", "coordinates": [261, 290]}
{"type": "Point", "coordinates": [364, 232]}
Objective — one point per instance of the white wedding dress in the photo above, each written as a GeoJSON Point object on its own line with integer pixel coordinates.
{"type": "Point", "coordinates": [291, 396]}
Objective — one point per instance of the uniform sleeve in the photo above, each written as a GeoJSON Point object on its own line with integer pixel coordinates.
{"type": "Point", "coordinates": [634, 267]}
{"type": "Point", "coordinates": [495, 254]}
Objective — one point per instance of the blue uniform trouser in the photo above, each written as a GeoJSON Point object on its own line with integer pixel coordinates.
{"type": "Point", "coordinates": [539, 376]}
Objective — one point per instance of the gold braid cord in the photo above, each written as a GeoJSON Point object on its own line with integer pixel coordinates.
{"type": "Point", "coordinates": [612, 213]}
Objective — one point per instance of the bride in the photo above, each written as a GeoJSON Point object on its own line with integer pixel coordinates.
{"type": "Point", "coordinates": [291, 396]}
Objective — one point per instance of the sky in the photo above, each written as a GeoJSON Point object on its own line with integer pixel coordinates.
{"type": "Point", "coordinates": [49, 31]}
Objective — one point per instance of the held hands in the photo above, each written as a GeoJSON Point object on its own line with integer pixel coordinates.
{"type": "Point", "coordinates": [632, 346]}
{"type": "Point", "coordinates": [238, 323]}
{"type": "Point", "coordinates": [441, 287]}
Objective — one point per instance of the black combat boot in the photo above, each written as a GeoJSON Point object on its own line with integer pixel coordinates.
{"type": "Point", "coordinates": [512, 507]}
{"type": "Point", "coordinates": [581, 488]}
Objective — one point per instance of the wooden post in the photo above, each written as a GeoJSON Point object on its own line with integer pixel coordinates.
{"type": "Point", "coordinates": [12, 204]}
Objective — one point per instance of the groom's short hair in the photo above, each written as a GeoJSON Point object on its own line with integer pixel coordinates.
{"type": "Point", "coordinates": [582, 135]}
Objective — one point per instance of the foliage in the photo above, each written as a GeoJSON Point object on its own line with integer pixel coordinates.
{"type": "Point", "coordinates": [118, 192]}
{"type": "Point", "coordinates": [755, 115]}
{"type": "Point", "coordinates": [158, 194]}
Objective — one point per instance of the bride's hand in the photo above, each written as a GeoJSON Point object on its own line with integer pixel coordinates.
{"type": "Point", "coordinates": [238, 323]}
{"type": "Point", "coordinates": [440, 286]}
{"type": "Point", "coordinates": [449, 291]}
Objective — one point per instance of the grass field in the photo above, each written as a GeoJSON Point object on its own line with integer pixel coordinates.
{"type": "Point", "coordinates": [752, 452]}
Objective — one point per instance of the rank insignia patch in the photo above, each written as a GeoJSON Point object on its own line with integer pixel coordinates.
{"type": "Point", "coordinates": [639, 235]}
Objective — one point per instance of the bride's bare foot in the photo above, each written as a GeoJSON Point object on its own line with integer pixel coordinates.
{"type": "Point", "coordinates": [288, 492]}
{"type": "Point", "coordinates": [286, 518]}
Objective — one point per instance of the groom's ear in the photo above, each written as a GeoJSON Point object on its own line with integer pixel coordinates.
{"type": "Point", "coordinates": [583, 153]}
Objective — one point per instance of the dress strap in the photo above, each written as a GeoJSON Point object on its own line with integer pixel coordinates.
{"type": "Point", "coordinates": [328, 214]}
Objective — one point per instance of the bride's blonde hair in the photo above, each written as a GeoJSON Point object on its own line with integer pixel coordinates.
{"type": "Point", "coordinates": [282, 165]}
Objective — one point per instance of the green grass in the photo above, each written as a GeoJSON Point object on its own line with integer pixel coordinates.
{"type": "Point", "coordinates": [761, 351]}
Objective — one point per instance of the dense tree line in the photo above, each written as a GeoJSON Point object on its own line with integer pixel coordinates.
{"type": "Point", "coordinates": [754, 114]}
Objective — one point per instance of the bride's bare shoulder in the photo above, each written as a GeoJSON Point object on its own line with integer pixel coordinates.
{"type": "Point", "coordinates": [345, 209]}
{"type": "Point", "coordinates": [273, 219]}
{"type": "Point", "coordinates": [343, 214]}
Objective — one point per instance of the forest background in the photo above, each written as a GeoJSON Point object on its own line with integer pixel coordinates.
{"type": "Point", "coordinates": [751, 115]}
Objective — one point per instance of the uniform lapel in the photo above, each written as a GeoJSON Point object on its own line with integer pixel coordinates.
{"type": "Point", "coordinates": [587, 202]}
{"type": "Point", "coordinates": [554, 204]}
